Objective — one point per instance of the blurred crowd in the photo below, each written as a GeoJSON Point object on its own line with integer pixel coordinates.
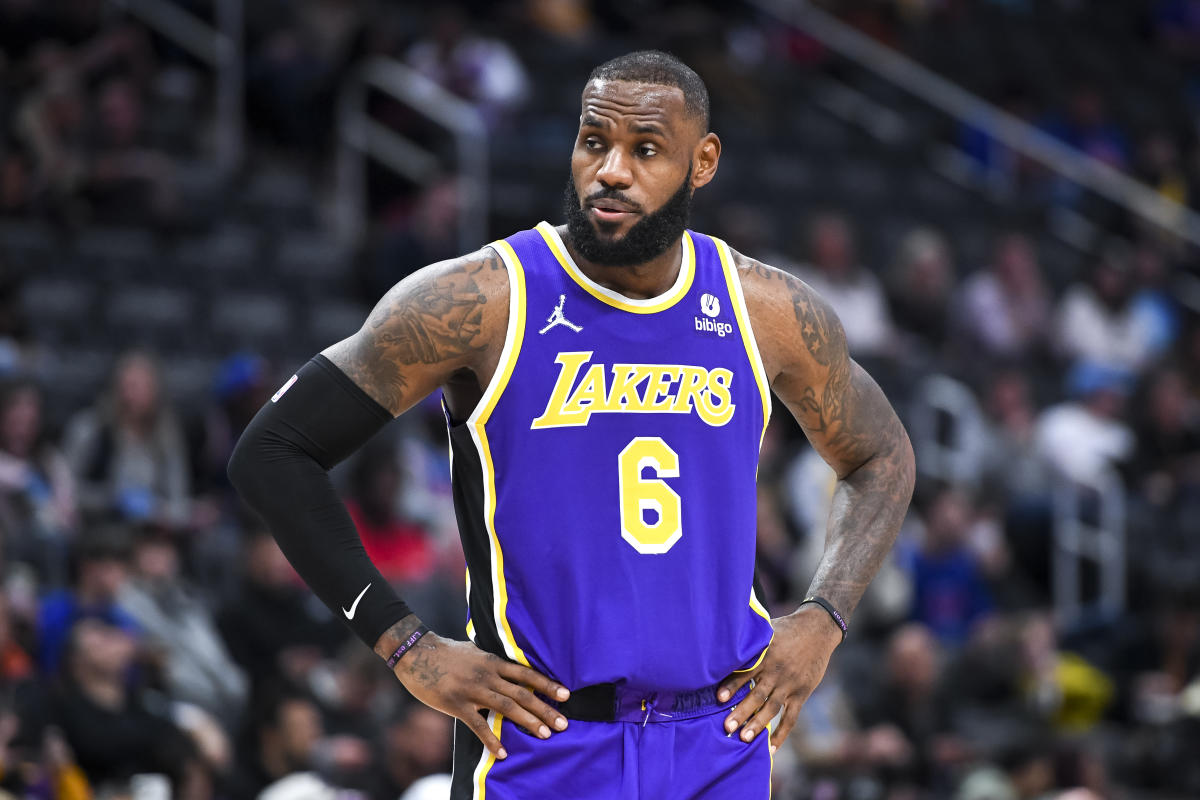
{"type": "Point", "coordinates": [153, 639]}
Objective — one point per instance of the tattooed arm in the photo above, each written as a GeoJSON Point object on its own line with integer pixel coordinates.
{"type": "Point", "coordinates": [442, 326]}
{"type": "Point", "coordinates": [850, 423]}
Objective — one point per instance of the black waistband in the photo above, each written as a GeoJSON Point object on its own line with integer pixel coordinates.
{"type": "Point", "coordinates": [595, 703]}
{"type": "Point", "coordinates": [617, 702]}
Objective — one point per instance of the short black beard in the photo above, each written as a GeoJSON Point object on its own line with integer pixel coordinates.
{"type": "Point", "coordinates": [650, 236]}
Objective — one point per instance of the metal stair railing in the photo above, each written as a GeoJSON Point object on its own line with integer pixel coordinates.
{"type": "Point", "coordinates": [1015, 133]}
{"type": "Point", "coordinates": [218, 46]}
{"type": "Point", "coordinates": [1089, 526]}
{"type": "Point", "coordinates": [956, 457]}
{"type": "Point", "coordinates": [359, 136]}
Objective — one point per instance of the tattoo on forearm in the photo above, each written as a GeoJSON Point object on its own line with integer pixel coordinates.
{"type": "Point", "coordinates": [849, 420]}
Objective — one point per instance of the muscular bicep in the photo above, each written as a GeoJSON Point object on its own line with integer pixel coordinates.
{"type": "Point", "coordinates": [843, 412]}
{"type": "Point", "coordinates": [439, 323]}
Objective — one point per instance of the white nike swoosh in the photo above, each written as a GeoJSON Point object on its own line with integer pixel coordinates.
{"type": "Point", "coordinates": [354, 606]}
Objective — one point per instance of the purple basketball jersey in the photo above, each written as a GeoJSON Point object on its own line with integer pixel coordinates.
{"type": "Point", "coordinates": [606, 483]}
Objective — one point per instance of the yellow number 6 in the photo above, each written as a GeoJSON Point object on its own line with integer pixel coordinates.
{"type": "Point", "coordinates": [639, 496]}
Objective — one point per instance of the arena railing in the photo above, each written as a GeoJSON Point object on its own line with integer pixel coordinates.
{"type": "Point", "coordinates": [360, 136]}
{"type": "Point", "coordinates": [961, 104]}
{"type": "Point", "coordinates": [1089, 528]}
{"type": "Point", "coordinates": [947, 431]}
{"type": "Point", "coordinates": [218, 45]}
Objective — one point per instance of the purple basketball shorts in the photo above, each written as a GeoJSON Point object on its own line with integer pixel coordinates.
{"type": "Point", "coordinates": [661, 747]}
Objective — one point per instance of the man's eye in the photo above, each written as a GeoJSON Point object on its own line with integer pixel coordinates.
{"type": "Point", "coordinates": [592, 144]}
{"type": "Point", "coordinates": [647, 151]}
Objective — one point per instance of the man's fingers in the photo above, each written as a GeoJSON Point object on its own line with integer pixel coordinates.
{"type": "Point", "coordinates": [530, 702]}
{"type": "Point", "coordinates": [747, 706]}
{"type": "Point", "coordinates": [512, 709]}
{"type": "Point", "coordinates": [791, 712]}
{"type": "Point", "coordinates": [761, 719]}
{"type": "Point", "coordinates": [478, 725]}
{"type": "Point", "coordinates": [520, 674]}
{"type": "Point", "coordinates": [729, 687]}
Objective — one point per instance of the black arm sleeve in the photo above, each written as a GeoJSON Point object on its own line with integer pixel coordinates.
{"type": "Point", "coordinates": [280, 468]}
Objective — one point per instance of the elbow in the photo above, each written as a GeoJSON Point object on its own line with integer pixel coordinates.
{"type": "Point", "coordinates": [907, 466]}
{"type": "Point", "coordinates": [240, 466]}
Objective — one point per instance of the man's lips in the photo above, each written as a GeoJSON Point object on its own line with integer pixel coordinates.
{"type": "Point", "coordinates": [607, 210]}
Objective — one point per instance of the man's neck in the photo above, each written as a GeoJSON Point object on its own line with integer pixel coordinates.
{"type": "Point", "coordinates": [638, 281]}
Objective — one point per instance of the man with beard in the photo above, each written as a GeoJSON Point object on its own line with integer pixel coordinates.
{"type": "Point", "coordinates": [606, 385]}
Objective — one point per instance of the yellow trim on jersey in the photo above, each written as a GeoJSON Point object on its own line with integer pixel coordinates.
{"type": "Point", "coordinates": [734, 284]}
{"type": "Point", "coordinates": [683, 283]}
{"type": "Point", "coordinates": [488, 759]}
{"type": "Point", "coordinates": [757, 607]}
{"type": "Point", "coordinates": [470, 620]}
{"type": "Point", "coordinates": [477, 423]}
{"type": "Point", "coordinates": [771, 770]}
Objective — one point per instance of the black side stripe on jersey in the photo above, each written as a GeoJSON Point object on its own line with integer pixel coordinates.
{"type": "Point", "coordinates": [469, 491]}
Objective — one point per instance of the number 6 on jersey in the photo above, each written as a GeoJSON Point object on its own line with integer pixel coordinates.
{"type": "Point", "coordinates": [640, 495]}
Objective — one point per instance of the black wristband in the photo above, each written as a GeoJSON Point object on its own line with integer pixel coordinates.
{"type": "Point", "coordinates": [279, 467]}
{"type": "Point", "coordinates": [828, 606]}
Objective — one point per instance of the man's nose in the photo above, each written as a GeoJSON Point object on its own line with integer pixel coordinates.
{"type": "Point", "coordinates": [614, 172]}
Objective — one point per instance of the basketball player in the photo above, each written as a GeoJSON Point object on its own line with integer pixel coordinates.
{"type": "Point", "coordinates": [606, 385]}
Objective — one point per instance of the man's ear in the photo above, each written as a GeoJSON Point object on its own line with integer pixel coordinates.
{"type": "Point", "coordinates": [704, 160]}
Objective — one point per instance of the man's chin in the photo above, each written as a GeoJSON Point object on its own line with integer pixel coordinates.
{"type": "Point", "coordinates": [609, 232]}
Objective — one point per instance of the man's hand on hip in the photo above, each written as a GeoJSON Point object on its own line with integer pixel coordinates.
{"type": "Point", "coordinates": [459, 679]}
{"type": "Point", "coordinates": [794, 664]}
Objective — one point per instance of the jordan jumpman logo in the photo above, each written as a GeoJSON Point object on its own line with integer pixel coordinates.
{"type": "Point", "coordinates": [556, 317]}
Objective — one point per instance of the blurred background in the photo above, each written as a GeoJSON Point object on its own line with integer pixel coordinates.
{"type": "Point", "coordinates": [997, 196]}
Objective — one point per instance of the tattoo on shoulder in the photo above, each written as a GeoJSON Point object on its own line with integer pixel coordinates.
{"type": "Point", "coordinates": [436, 316]}
{"type": "Point", "coordinates": [819, 329]}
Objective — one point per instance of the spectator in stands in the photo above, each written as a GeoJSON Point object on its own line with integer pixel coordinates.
{"type": "Point", "coordinates": [919, 285]}
{"type": "Point", "coordinates": [101, 572]}
{"type": "Point", "coordinates": [241, 386]}
{"type": "Point", "coordinates": [1060, 686]}
{"type": "Point", "coordinates": [128, 451]}
{"type": "Point", "coordinates": [1096, 321]}
{"type": "Point", "coordinates": [180, 629]}
{"type": "Point", "coordinates": [1086, 436]}
{"type": "Point", "coordinates": [950, 593]}
{"type": "Point", "coordinates": [37, 489]}
{"type": "Point", "coordinates": [1017, 479]}
{"type": "Point", "coordinates": [1157, 660]}
{"type": "Point", "coordinates": [482, 70]}
{"type": "Point", "coordinates": [273, 626]}
{"type": "Point", "coordinates": [128, 181]}
{"type": "Point", "coordinates": [1160, 166]}
{"type": "Point", "coordinates": [905, 699]}
{"type": "Point", "coordinates": [1155, 305]}
{"type": "Point", "coordinates": [1086, 126]}
{"type": "Point", "coordinates": [426, 235]}
{"type": "Point", "coordinates": [1165, 477]}
{"type": "Point", "coordinates": [282, 737]}
{"type": "Point", "coordinates": [1004, 309]}
{"type": "Point", "coordinates": [853, 291]}
{"type": "Point", "coordinates": [113, 732]}
{"type": "Point", "coordinates": [16, 666]}
{"type": "Point", "coordinates": [294, 72]}
{"type": "Point", "coordinates": [416, 744]}
{"type": "Point", "coordinates": [399, 547]}
{"type": "Point", "coordinates": [1168, 434]}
